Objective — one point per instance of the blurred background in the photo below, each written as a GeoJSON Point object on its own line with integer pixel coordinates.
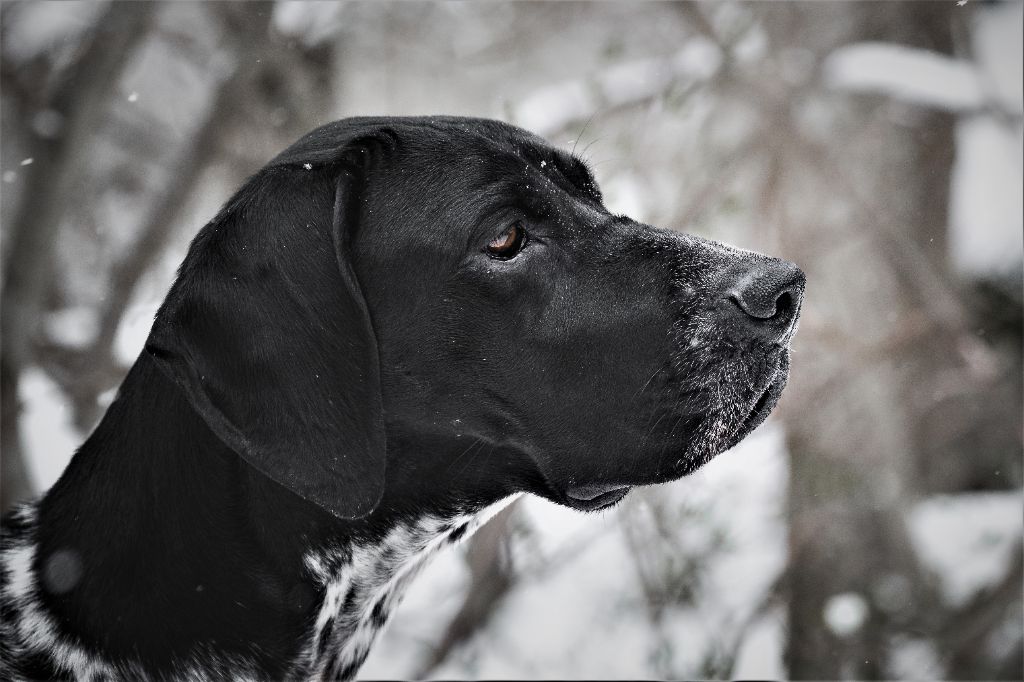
{"type": "Point", "coordinates": [871, 529]}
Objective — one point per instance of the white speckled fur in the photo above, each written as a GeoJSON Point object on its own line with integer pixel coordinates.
{"type": "Point", "coordinates": [33, 630]}
{"type": "Point", "coordinates": [377, 573]}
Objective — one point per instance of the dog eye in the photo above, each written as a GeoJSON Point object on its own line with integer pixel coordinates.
{"type": "Point", "coordinates": [509, 243]}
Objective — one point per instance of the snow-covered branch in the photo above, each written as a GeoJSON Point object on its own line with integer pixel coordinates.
{"type": "Point", "coordinates": [553, 108]}
{"type": "Point", "coordinates": [911, 75]}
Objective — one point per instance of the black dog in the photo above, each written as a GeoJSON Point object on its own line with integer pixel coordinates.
{"type": "Point", "coordinates": [395, 325]}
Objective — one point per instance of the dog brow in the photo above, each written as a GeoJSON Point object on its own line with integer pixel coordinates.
{"type": "Point", "coordinates": [569, 166]}
{"type": "Point", "coordinates": [578, 173]}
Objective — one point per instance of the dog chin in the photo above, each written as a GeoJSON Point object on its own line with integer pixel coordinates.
{"type": "Point", "coordinates": [762, 405]}
{"type": "Point", "coordinates": [709, 436]}
{"type": "Point", "coordinates": [713, 435]}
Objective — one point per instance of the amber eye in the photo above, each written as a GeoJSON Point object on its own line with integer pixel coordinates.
{"type": "Point", "coordinates": [509, 243]}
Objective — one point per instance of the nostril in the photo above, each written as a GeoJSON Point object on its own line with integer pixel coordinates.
{"type": "Point", "coordinates": [783, 305]}
{"type": "Point", "coordinates": [767, 300]}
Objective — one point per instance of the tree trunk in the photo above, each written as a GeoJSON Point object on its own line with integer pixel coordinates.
{"type": "Point", "coordinates": [872, 244]}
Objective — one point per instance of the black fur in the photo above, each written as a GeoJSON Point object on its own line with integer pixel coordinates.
{"type": "Point", "coordinates": [340, 356]}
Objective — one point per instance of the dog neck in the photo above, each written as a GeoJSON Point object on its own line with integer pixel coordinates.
{"type": "Point", "coordinates": [364, 583]}
{"type": "Point", "coordinates": [160, 553]}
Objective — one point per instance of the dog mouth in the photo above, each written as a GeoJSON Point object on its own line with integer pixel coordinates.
{"type": "Point", "coordinates": [697, 447]}
{"type": "Point", "coordinates": [763, 406]}
{"type": "Point", "coordinates": [595, 497]}
{"type": "Point", "coordinates": [757, 412]}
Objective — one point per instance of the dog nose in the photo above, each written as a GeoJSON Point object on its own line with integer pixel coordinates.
{"type": "Point", "coordinates": [764, 300]}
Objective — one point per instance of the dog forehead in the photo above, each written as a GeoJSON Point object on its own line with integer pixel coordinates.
{"type": "Point", "coordinates": [484, 143]}
{"type": "Point", "coordinates": [436, 176]}
{"type": "Point", "coordinates": [465, 152]}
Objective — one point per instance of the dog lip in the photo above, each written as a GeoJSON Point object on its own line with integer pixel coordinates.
{"type": "Point", "coordinates": [761, 402]}
{"type": "Point", "coordinates": [757, 409]}
{"type": "Point", "coordinates": [590, 492]}
{"type": "Point", "coordinates": [593, 497]}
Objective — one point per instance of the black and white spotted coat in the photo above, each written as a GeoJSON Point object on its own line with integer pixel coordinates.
{"type": "Point", "coordinates": [361, 584]}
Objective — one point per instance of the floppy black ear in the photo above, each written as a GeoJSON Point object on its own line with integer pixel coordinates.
{"type": "Point", "coordinates": [268, 334]}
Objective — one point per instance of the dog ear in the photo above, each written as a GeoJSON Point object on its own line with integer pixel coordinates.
{"type": "Point", "coordinates": [268, 334]}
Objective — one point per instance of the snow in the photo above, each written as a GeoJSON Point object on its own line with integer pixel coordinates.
{"type": "Point", "coordinates": [752, 46]}
{"type": "Point", "coordinates": [987, 200]}
{"type": "Point", "coordinates": [845, 613]}
{"type": "Point", "coordinates": [966, 539]}
{"type": "Point", "coordinates": [176, 98]}
{"type": "Point", "coordinates": [625, 194]}
{"type": "Point", "coordinates": [74, 327]}
{"type": "Point", "coordinates": [907, 74]}
{"type": "Point", "coordinates": [551, 108]}
{"type": "Point", "coordinates": [38, 27]}
{"type": "Point", "coordinates": [48, 436]}
{"type": "Point", "coordinates": [134, 330]}
{"type": "Point", "coordinates": [760, 655]}
{"type": "Point", "coordinates": [310, 22]}
{"type": "Point", "coordinates": [998, 45]}
{"type": "Point", "coordinates": [916, 659]}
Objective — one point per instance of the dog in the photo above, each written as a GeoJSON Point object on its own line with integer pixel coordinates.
{"type": "Point", "coordinates": [395, 327]}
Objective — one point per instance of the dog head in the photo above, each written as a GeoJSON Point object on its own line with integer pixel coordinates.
{"type": "Point", "coordinates": [458, 283]}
